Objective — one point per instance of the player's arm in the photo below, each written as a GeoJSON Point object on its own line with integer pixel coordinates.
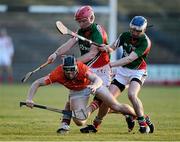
{"type": "Point", "coordinates": [96, 81]}
{"type": "Point", "coordinates": [126, 60]}
{"type": "Point", "coordinates": [110, 48]}
{"type": "Point", "coordinates": [138, 52]}
{"type": "Point", "coordinates": [62, 49]}
{"type": "Point", "coordinates": [107, 48]}
{"type": "Point", "coordinates": [97, 38]}
{"type": "Point", "coordinates": [90, 55]}
{"type": "Point", "coordinates": [34, 87]}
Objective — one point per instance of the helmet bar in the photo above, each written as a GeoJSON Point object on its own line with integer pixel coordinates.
{"type": "Point", "coordinates": [69, 63]}
{"type": "Point", "coordinates": [70, 68]}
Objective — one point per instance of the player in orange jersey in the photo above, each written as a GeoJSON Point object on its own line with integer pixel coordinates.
{"type": "Point", "coordinates": [81, 82]}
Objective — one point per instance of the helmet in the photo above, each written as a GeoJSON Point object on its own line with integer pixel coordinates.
{"type": "Point", "coordinates": [69, 63]}
{"type": "Point", "coordinates": [139, 23]}
{"type": "Point", "coordinates": [84, 12]}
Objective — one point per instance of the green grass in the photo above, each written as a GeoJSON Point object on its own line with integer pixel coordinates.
{"type": "Point", "coordinates": [23, 124]}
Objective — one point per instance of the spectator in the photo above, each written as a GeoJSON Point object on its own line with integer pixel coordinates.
{"type": "Point", "coordinates": [6, 55]}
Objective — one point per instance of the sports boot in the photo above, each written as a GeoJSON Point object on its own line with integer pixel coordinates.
{"type": "Point", "coordinates": [130, 122]}
{"type": "Point", "coordinates": [144, 128]}
{"type": "Point", "coordinates": [64, 129]}
{"type": "Point", "coordinates": [149, 123]}
{"type": "Point", "coordinates": [88, 129]}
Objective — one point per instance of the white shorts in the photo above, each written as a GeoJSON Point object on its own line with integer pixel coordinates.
{"type": "Point", "coordinates": [125, 75]}
{"type": "Point", "coordinates": [5, 60]}
{"type": "Point", "coordinates": [79, 94]}
{"type": "Point", "coordinates": [105, 73]}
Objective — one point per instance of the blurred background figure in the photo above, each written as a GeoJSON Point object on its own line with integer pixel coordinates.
{"type": "Point", "coordinates": [6, 56]}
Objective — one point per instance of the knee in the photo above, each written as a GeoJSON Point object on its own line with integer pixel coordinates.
{"type": "Point", "coordinates": [79, 122]}
{"type": "Point", "coordinates": [115, 107]}
{"type": "Point", "coordinates": [132, 96]}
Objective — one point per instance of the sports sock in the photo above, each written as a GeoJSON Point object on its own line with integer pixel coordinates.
{"type": "Point", "coordinates": [67, 121]}
{"type": "Point", "coordinates": [142, 121]}
{"type": "Point", "coordinates": [94, 105]}
{"type": "Point", "coordinates": [97, 122]}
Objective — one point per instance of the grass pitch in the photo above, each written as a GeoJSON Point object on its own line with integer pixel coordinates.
{"type": "Point", "coordinates": [23, 124]}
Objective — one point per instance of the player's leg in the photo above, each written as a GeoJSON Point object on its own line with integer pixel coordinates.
{"type": "Point", "coordinates": [10, 73]}
{"type": "Point", "coordinates": [104, 94]}
{"type": "Point", "coordinates": [79, 100]}
{"type": "Point", "coordinates": [104, 109]}
{"type": "Point", "coordinates": [78, 105]}
{"type": "Point", "coordinates": [116, 88]}
{"type": "Point", "coordinates": [1, 68]}
{"type": "Point", "coordinates": [8, 68]}
{"type": "Point", "coordinates": [105, 74]}
{"type": "Point", "coordinates": [1, 71]}
{"type": "Point", "coordinates": [134, 88]}
{"type": "Point", "coordinates": [66, 120]}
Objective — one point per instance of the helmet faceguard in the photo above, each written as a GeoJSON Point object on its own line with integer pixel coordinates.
{"type": "Point", "coordinates": [85, 12]}
{"type": "Point", "coordinates": [138, 23]}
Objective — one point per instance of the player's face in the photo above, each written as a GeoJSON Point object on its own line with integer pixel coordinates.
{"type": "Point", "coordinates": [84, 23]}
{"type": "Point", "coordinates": [136, 33]}
{"type": "Point", "coordinates": [70, 74]}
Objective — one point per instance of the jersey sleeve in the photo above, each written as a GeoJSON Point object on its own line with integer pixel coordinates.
{"type": "Point", "coordinates": [98, 35]}
{"type": "Point", "coordinates": [117, 42]}
{"type": "Point", "coordinates": [142, 49]}
{"type": "Point", "coordinates": [121, 39]}
{"type": "Point", "coordinates": [84, 68]}
{"type": "Point", "coordinates": [53, 76]}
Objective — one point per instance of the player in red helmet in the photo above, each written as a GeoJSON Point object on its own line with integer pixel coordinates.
{"type": "Point", "coordinates": [85, 12]}
{"type": "Point", "coordinates": [90, 55]}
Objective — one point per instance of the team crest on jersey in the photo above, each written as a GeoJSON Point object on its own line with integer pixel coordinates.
{"type": "Point", "coordinates": [128, 48]}
{"type": "Point", "coordinates": [125, 44]}
{"type": "Point", "coordinates": [82, 47]}
{"type": "Point", "coordinates": [131, 47]}
{"type": "Point", "coordinates": [125, 54]}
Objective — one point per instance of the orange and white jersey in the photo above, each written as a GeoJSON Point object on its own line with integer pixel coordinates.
{"type": "Point", "coordinates": [77, 84]}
